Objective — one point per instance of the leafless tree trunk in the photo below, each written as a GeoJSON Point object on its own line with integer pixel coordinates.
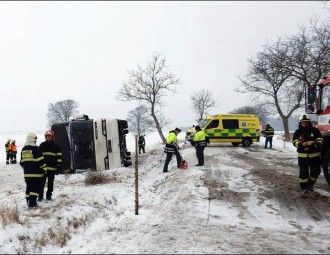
{"type": "Point", "coordinates": [149, 85]}
{"type": "Point", "coordinates": [140, 122]}
{"type": "Point", "coordinates": [202, 101]}
{"type": "Point", "coordinates": [62, 111]}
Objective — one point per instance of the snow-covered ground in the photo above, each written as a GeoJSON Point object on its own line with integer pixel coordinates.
{"type": "Point", "coordinates": [212, 209]}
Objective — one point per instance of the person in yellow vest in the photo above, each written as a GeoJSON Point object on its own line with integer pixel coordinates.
{"type": "Point", "coordinates": [13, 152]}
{"type": "Point", "coordinates": [8, 151]}
{"type": "Point", "coordinates": [199, 141]}
{"type": "Point", "coordinates": [171, 148]}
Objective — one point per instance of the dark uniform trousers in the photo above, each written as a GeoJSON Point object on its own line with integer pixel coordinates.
{"type": "Point", "coordinates": [200, 154]}
{"type": "Point", "coordinates": [169, 157]}
{"type": "Point", "coordinates": [50, 184]}
{"type": "Point", "coordinates": [306, 164]}
{"type": "Point", "coordinates": [32, 190]}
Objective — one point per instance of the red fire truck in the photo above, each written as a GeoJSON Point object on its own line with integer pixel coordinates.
{"type": "Point", "coordinates": [317, 100]}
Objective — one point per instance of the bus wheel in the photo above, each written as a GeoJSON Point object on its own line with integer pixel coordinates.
{"type": "Point", "coordinates": [235, 144]}
{"type": "Point", "coordinates": [246, 142]}
{"type": "Point", "coordinates": [326, 166]}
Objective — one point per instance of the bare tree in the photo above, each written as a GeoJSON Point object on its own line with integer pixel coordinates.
{"type": "Point", "coordinates": [202, 101]}
{"type": "Point", "coordinates": [140, 121]}
{"type": "Point", "coordinates": [279, 73]}
{"type": "Point", "coordinates": [266, 78]}
{"type": "Point", "coordinates": [149, 85]}
{"type": "Point", "coordinates": [258, 110]}
{"type": "Point", "coordinates": [62, 111]}
{"type": "Point", "coordinates": [307, 58]}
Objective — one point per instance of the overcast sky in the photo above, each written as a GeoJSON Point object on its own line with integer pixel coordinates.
{"type": "Point", "coordinates": [81, 50]}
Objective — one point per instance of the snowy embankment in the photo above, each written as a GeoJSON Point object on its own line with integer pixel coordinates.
{"type": "Point", "coordinates": [213, 209]}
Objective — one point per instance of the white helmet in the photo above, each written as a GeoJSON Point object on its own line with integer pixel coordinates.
{"type": "Point", "coordinates": [304, 117]}
{"type": "Point", "coordinates": [31, 137]}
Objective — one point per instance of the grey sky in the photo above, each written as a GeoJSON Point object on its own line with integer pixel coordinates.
{"type": "Point", "coordinates": [56, 50]}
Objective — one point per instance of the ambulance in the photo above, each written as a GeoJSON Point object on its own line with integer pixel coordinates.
{"type": "Point", "coordinates": [229, 128]}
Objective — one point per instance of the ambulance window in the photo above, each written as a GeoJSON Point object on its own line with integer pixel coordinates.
{"type": "Point", "coordinates": [230, 124]}
{"type": "Point", "coordinates": [203, 123]}
{"type": "Point", "coordinates": [213, 124]}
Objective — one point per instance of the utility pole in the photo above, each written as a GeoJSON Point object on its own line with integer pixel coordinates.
{"type": "Point", "coordinates": [136, 176]}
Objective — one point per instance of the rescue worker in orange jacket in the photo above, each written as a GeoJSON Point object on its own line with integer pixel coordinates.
{"type": "Point", "coordinates": [13, 152]}
{"type": "Point", "coordinates": [34, 165]}
{"type": "Point", "coordinates": [51, 151]}
{"type": "Point", "coordinates": [308, 141]}
{"type": "Point", "coordinates": [8, 151]}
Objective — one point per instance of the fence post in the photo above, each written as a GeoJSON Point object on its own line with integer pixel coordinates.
{"type": "Point", "coordinates": [136, 177]}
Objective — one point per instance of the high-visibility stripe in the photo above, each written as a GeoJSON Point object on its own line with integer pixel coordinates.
{"type": "Point", "coordinates": [33, 175]}
{"type": "Point", "coordinates": [311, 155]}
{"type": "Point", "coordinates": [240, 132]}
{"type": "Point", "coordinates": [49, 154]}
{"type": "Point", "coordinates": [304, 180]}
{"type": "Point", "coordinates": [313, 179]}
{"type": "Point", "coordinates": [169, 150]}
{"type": "Point", "coordinates": [40, 158]}
{"type": "Point", "coordinates": [34, 194]}
{"type": "Point", "coordinates": [59, 154]}
{"type": "Point", "coordinates": [28, 160]}
{"type": "Point", "coordinates": [50, 168]}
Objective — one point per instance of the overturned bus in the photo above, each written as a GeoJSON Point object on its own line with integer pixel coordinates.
{"type": "Point", "coordinates": [92, 145]}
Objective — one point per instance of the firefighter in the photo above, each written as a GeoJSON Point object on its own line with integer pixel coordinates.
{"type": "Point", "coordinates": [8, 151]}
{"type": "Point", "coordinates": [13, 152]}
{"type": "Point", "coordinates": [142, 144]}
{"type": "Point", "coordinates": [269, 133]}
{"type": "Point", "coordinates": [171, 148]}
{"type": "Point", "coordinates": [308, 141]}
{"type": "Point", "coordinates": [34, 165]}
{"type": "Point", "coordinates": [51, 151]}
{"type": "Point", "coordinates": [199, 141]}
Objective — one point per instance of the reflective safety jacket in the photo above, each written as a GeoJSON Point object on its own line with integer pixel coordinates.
{"type": "Point", "coordinates": [14, 148]}
{"type": "Point", "coordinates": [269, 132]}
{"type": "Point", "coordinates": [51, 151]}
{"type": "Point", "coordinates": [8, 147]}
{"type": "Point", "coordinates": [32, 161]}
{"type": "Point", "coordinates": [199, 139]}
{"type": "Point", "coordinates": [314, 140]}
{"type": "Point", "coordinates": [171, 140]}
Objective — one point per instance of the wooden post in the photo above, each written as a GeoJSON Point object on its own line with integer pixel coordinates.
{"type": "Point", "coordinates": [136, 176]}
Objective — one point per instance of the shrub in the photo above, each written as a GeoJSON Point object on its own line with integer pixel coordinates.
{"type": "Point", "coordinates": [99, 177]}
{"type": "Point", "coordinates": [9, 215]}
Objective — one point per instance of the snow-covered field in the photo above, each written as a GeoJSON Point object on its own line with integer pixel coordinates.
{"type": "Point", "coordinates": [177, 212]}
